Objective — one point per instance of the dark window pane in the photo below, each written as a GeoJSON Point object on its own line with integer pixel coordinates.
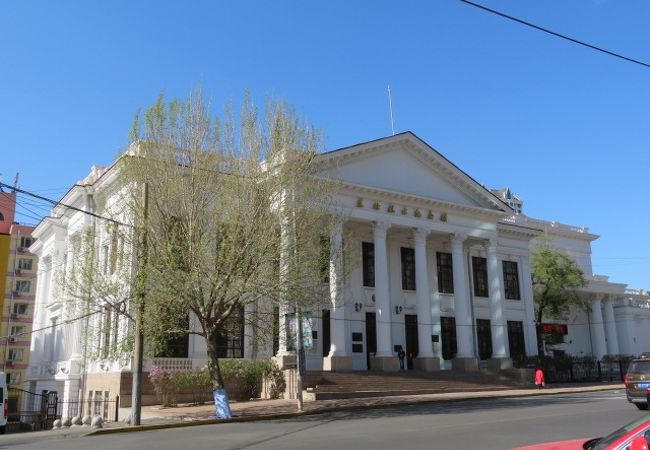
{"type": "Point", "coordinates": [511, 280]}
{"type": "Point", "coordinates": [448, 332]}
{"type": "Point", "coordinates": [484, 335]}
{"type": "Point", "coordinates": [445, 273]}
{"type": "Point", "coordinates": [230, 339]}
{"type": "Point", "coordinates": [408, 268]}
{"type": "Point", "coordinates": [368, 256]}
{"type": "Point", "coordinates": [516, 340]}
{"type": "Point", "coordinates": [479, 266]}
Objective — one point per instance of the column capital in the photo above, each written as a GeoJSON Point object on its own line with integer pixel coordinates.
{"type": "Point", "coordinates": [491, 245]}
{"type": "Point", "coordinates": [457, 238]}
{"type": "Point", "coordinates": [379, 229]}
{"type": "Point", "coordinates": [420, 233]}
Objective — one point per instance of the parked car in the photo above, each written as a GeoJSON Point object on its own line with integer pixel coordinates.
{"type": "Point", "coordinates": [4, 402]}
{"type": "Point", "coordinates": [637, 381]}
{"type": "Point", "coordinates": [633, 436]}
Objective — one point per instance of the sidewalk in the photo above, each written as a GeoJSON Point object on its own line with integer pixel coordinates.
{"type": "Point", "coordinates": [154, 417]}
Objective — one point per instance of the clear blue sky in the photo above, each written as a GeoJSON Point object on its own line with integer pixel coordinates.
{"type": "Point", "coordinates": [565, 127]}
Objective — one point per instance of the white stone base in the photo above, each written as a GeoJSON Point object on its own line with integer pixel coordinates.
{"type": "Point", "coordinates": [427, 364]}
{"type": "Point", "coordinates": [499, 363]}
{"type": "Point", "coordinates": [465, 364]}
{"type": "Point", "coordinates": [337, 363]}
{"type": "Point", "coordinates": [384, 363]}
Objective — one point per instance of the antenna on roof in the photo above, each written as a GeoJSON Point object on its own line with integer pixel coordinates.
{"type": "Point", "coordinates": [390, 107]}
{"type": "Point", "coordinates": [16, 181]}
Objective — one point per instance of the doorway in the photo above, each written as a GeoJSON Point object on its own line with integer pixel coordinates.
{"type": "Point", "coordinates": [371, 337]}
{"type": "Point", "coordinates": [412, 344]}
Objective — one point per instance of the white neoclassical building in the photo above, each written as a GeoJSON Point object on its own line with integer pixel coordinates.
{"type": "Point", "coordinates": [443, 271]}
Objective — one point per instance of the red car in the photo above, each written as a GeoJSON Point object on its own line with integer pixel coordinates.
{"type": "Point", "coordinates": [633, 436]}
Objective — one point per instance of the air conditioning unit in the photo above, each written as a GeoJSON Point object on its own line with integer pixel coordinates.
{"type": "Point", "coordinates": [21, 249]}
{"type": "Point", "coordinates": [12, 339]}
{"type": "Point", "coordinates": [17, 271]}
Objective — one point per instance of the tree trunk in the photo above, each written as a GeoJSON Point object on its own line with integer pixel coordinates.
{"type": "Point", "coordinates": [221, 401]}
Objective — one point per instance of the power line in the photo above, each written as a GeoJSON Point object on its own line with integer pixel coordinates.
{"type": "Point", "coordinates": [57, 203]}
{"type": "Point", "coordinates": [562, 36]}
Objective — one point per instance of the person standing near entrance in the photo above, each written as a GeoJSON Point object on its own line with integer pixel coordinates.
{"type": "Point", "coordinates": [401, 355]}
{"type": "Point", "coordinates": [539, 378]}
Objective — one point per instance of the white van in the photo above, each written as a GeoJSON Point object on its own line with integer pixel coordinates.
{"type": "Point", "coordinates": [4, 403]}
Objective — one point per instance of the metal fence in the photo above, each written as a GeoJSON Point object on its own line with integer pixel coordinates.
{"type": "Point", "coordinates": [34, 411]}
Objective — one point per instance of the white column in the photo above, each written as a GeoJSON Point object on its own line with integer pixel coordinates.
{"type": "Point", "coordinates": [464, 328]}
{"type": "Point", "coordinates": [337, 311]}
{"type": "Point", "coordinates": [285, 249]}
{"type": "Point", "coordinates": [610, 327]}
{"type": "Point", "coordinates": [599, 346]}
{"type": "Point", "coordinates": [497, 316]}
{"type": "Point", "coordinates": [526, 285]}
{"type": "Point", "coordinates": [382, 296]}
{"type": "Point", "coordinates": [425, 325]}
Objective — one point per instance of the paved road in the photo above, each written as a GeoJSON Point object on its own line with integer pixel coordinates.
{"type": "Point", "coordinates": [486, 425]}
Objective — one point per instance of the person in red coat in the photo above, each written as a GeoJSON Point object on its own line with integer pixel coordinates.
{"type": "Point", "coordinates": [539, 378]}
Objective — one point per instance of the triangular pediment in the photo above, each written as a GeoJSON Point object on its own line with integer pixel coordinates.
{"type": "Point", "coordinates": [405, 164]}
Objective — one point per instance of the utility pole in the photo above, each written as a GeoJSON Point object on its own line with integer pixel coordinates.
{"type": "Point", "coordinates": [136, 391]}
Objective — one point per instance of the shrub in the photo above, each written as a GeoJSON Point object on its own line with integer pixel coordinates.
{"type": "Point", "coordinates": [164, 386]}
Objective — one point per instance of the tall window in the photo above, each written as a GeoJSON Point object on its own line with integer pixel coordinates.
{"type": "Point", "coordinates": [484, 338]}
{"type": "Point", "coordinates": [176, 345]}
{"type": "Point", "coordinates": [479, 268]}
{"type": "Point", "coordinates": [408, 268]}
{"type": "Point", "coordinates": [448, 332]}
{"type": "Point", "coordinates": [368, 261]}
{"type": "Point", "coordinates": [324, 257]}
{"type": "Point", "coordinates": [445, 273]}
{"type": "Point", "coordinates": [25, 264]}
{"type": "Point", "coordinates": [230, 340]}
{"type": "Point", "coordinates": [19, 308]}
{"type": "Point", "coordinates": [25, 242]}
{"type": "Point", "coordinates": [511, 280]}
{"type": "Point", "coordinates": [516, 340]}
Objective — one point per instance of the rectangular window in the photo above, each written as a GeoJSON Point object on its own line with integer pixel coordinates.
{"type": "Point", "coordinates": [20, 308]}
{"type": "Point", "coordinates": [511, 280]}
{"type": "Point", "coordinates": [13, 378]}
{"type": "Point", "coordinates": [368, 257]}
{"type": "Point", "coordinates": [516, 340]}
{"type": "Point", "coordinates": [230, 340]}
{"type": "Point", "coordinates": [479, 269]}
{"type": "Point", "coordinates": [445, 273]}
{"type": "Point", "coordinates": [25, 264]}
{"type": "Point", "coordinates": [408, 268]}
{"type": "Point", "coordinates": [448, 332]}
{"type": "Point", "coordinates": [484, 338]}
{"type": "Point", "coordinates": [23, 286]}
{"type": "Point", "coordinates": [16, 354]}
{"type": "Point", "coordinates": [25, 242]}
{"type": "Point", "coordinates": [17, 331]}
{"type": "Point", "coordinates": [324, 259]}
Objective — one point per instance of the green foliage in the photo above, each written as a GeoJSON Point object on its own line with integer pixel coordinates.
{"type": "Point", "coordinates": [245, 377]}
{"type": "Point", "coordinates": [556, 278]}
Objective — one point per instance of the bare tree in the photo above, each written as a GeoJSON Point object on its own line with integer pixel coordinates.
{"type": "Point", "coordinates": [236, 217]}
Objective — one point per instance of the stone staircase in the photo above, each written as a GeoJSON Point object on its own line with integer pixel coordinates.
{"type": "Point", "coordinates": [338, 385]}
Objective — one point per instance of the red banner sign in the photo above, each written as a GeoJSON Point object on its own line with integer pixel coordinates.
{"type": "Point", "coordinates": [552, 328]}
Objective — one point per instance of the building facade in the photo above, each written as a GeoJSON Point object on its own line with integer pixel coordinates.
{"type": "Point", "coordinates": [18, 269]}
{"type": "Point", "coordinates": [442, 270]}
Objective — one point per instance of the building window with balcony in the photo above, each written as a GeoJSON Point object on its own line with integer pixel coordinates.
{"type": "Point", "coordinates": [15, 354]}
{"type": "Point", "coordinates": [17, 331]}
{"type": "Point", "coordinates": [368, 262]}
{"type": "Point", "coordinates": [25, 242]}
{"type": "Point", "coordinates": [25, 264]}
{"type": "Point", "coordinates": [479, 269]}
{"type": "Point", "coordinates": [23, 286]}
{"type": "Point", "coordinates": [408, 268]}
{"type": "Point", "coordinates": [20, 308]}
{"type": "Point", "coordinates": [445, 273]}
{"type": "Point", "coordinates": [511, 280]}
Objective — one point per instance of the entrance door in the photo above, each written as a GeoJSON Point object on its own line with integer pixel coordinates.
{"type": "Point", "coordinates": [412, 344]}
{"type": "Point", "coordinates": [325, 330]}
{"type": "Point", "coordinates": [371, 336]}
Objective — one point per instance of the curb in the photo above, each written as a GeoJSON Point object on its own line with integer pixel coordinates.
{"type": "Point", "coordinates": [325, 410]}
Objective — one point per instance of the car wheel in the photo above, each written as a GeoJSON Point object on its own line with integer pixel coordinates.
{"type": "Point", "coordinates": [642, 406]}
